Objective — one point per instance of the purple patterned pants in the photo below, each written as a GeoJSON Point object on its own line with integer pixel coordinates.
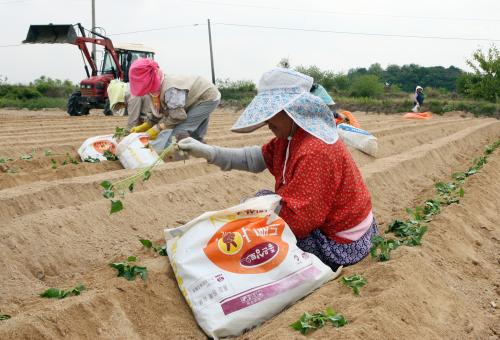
{"type": "Point", "coordinates": [336, 254]}
{"type": "Point", "coordinates": [330, 252]}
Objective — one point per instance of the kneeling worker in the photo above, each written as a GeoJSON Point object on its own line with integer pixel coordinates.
{"type": "Point", "coordinates": [136, 107]}
{"type": "Point", "coordinates": [180, 104]}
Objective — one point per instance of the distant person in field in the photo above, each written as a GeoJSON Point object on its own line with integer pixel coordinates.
{"type": "Point", "coordinates": [122, 102]}
{"type": "Point", "coordinates": [324, 198]}
{"type": "Point", "coordinates": [181, 105]}
{"type": "Point", "coordinates": [418, 99]}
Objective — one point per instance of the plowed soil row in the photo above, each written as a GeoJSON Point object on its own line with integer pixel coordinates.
{"type": "Point", "coordinates": [56, 231]}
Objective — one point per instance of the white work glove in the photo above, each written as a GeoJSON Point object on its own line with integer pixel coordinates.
{"type": "Point", "coordinates": [197, 149]}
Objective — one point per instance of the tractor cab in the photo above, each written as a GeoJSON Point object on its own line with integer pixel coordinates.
{"type": "Point", "coordinates": [93, 90]}
{"type": "Point", "coordinates": [127, 53]}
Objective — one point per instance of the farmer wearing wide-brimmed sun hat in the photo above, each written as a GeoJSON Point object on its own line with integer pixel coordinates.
{"type": "Point", "coordinates": [181, 104]}
{"type": "Point", "coordinates": [324, 199]}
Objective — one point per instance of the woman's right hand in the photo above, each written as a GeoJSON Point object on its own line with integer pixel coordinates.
{"type": "Point", "coordinates": [197, 148]}
{"type": "Point", "coordinates": [141, 128]}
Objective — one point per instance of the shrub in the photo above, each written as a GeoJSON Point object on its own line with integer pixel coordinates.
{"type": "Point", "coordinates": [366, 86]}
{"type": "Point", "coordinates": [237, 93]}
{"type": "Point", "coordinates": [330, 81]}
{"type": "Point", "coordinates": [34, 104]}
{"type": "Point", "coordinates": [484, 83]}
{"type": "Point", "coordinates": [54, 88]}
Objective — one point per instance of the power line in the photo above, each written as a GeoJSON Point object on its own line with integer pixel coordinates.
{"type": "Point", "coordinates": [340, 13]}
{"type": "Point", "coordinates": [355, 33]}
{"type": "Point", "coordinates": [157, 29]}
{"type": "Point", "coordinates": [13, 45]}
{"type": "Point", "coordinates": [298, 29]}
{"type": "Point", "coordinates": [13, 2]}
{"type": "Point", "coordinates": [132, 32]}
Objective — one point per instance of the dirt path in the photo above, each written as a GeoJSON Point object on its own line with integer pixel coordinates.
{"type": "Point", "coordinates": [56, 232]}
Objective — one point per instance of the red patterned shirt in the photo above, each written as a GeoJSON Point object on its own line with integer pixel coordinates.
{"type": "Point", "coordinates": [323, 186]}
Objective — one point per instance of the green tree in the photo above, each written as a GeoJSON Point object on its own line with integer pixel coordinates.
{"type": "Point", "coordinates": [367, 85]}
{"type": "Point", "coordinates": [484, 83]}
{"type": "Point", "coordinates": [329, 80]}
{"type": "Point", "coordinates": [376, 70]}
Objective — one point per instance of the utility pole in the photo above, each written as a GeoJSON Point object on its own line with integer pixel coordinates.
{"type": "Point", "coordinates": [211, 52]}
{"type": "Point", "coordinates": [93, 29]}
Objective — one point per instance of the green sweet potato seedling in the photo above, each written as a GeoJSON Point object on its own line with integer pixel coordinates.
{"type": "Point", "coordinates": [381, 248]}
{"type": "Point", "coordinates": [161, 250]}
{"type": "Point", "coordinates": [309, 322]}
{"type": "Point", "coordinates": [355, 282]}
{"type": "Point", "coordinates": [55, 293]}
{"type": "Point", "coordinates": [130, 272]}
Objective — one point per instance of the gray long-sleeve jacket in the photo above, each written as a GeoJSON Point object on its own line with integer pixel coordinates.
{"type": "Point", "coordinates": [248, 158]}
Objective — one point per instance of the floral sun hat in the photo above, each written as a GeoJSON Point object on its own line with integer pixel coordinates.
{"type": "Point", "coordinates": [288, 90]}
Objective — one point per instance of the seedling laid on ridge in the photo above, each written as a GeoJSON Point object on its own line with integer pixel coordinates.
{"type": "Point", "coordinates": [355, 282]}
{"type": "Point", "coordinates": [309, 322]}
{"type": "Point", "coordinates": [381, 248]}
{"type": "Point", "coordinates": [157, 248]}
{"type": "Point", "coordinates": [54, 293]}
{"type": "Point", "coordinates": [130, 272]}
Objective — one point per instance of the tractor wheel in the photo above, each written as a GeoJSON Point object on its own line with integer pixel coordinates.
{"type": "Point", "coordinates": [107, 109]}
{"type": "Point", "coordinates": [75, 108]}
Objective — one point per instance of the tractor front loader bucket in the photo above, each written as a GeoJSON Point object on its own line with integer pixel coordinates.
{"type": "Point", "coordinates": [51, 34]}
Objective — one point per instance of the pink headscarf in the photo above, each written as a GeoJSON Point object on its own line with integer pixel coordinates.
{"type": "Point", "coordinates": [144, 77]}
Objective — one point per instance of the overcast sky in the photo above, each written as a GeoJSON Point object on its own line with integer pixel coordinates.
{"type": "Point", "coordinates": [243, 52]}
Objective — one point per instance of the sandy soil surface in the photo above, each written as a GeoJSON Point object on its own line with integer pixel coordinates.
{"type": "Point", "coordinates": [56, 231]}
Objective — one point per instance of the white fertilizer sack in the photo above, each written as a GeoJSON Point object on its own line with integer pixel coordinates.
{"type": "Point", "coordinates": [239, 267]}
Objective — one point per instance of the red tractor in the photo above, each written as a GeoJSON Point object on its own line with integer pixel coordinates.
{"type": "Point", "coordinates": [115, 64]}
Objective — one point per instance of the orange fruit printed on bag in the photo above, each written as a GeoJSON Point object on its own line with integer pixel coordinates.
{"type": "Point", "coordinates": [248, 245]}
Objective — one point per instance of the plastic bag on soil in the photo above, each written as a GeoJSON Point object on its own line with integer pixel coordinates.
{"type": "Point", "coordinates": [239, 267]}
{"type": "Point", "coordinates": [133, 152]}
{"type": "Point", "coordinates": [94, 147]}
{"type": "Point", "coordinates": [358, 138]}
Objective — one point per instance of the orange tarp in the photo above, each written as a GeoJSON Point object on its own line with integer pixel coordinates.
{"type": "Point", "coordinates": [350, 119]}
{"type": "Point", "coordinates": [419, 115]}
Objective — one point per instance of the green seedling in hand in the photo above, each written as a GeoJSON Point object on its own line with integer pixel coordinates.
{"type": "Point", "coordinates": [119, 188]}
{"type": "Point", "coordinates": [355, 282]}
